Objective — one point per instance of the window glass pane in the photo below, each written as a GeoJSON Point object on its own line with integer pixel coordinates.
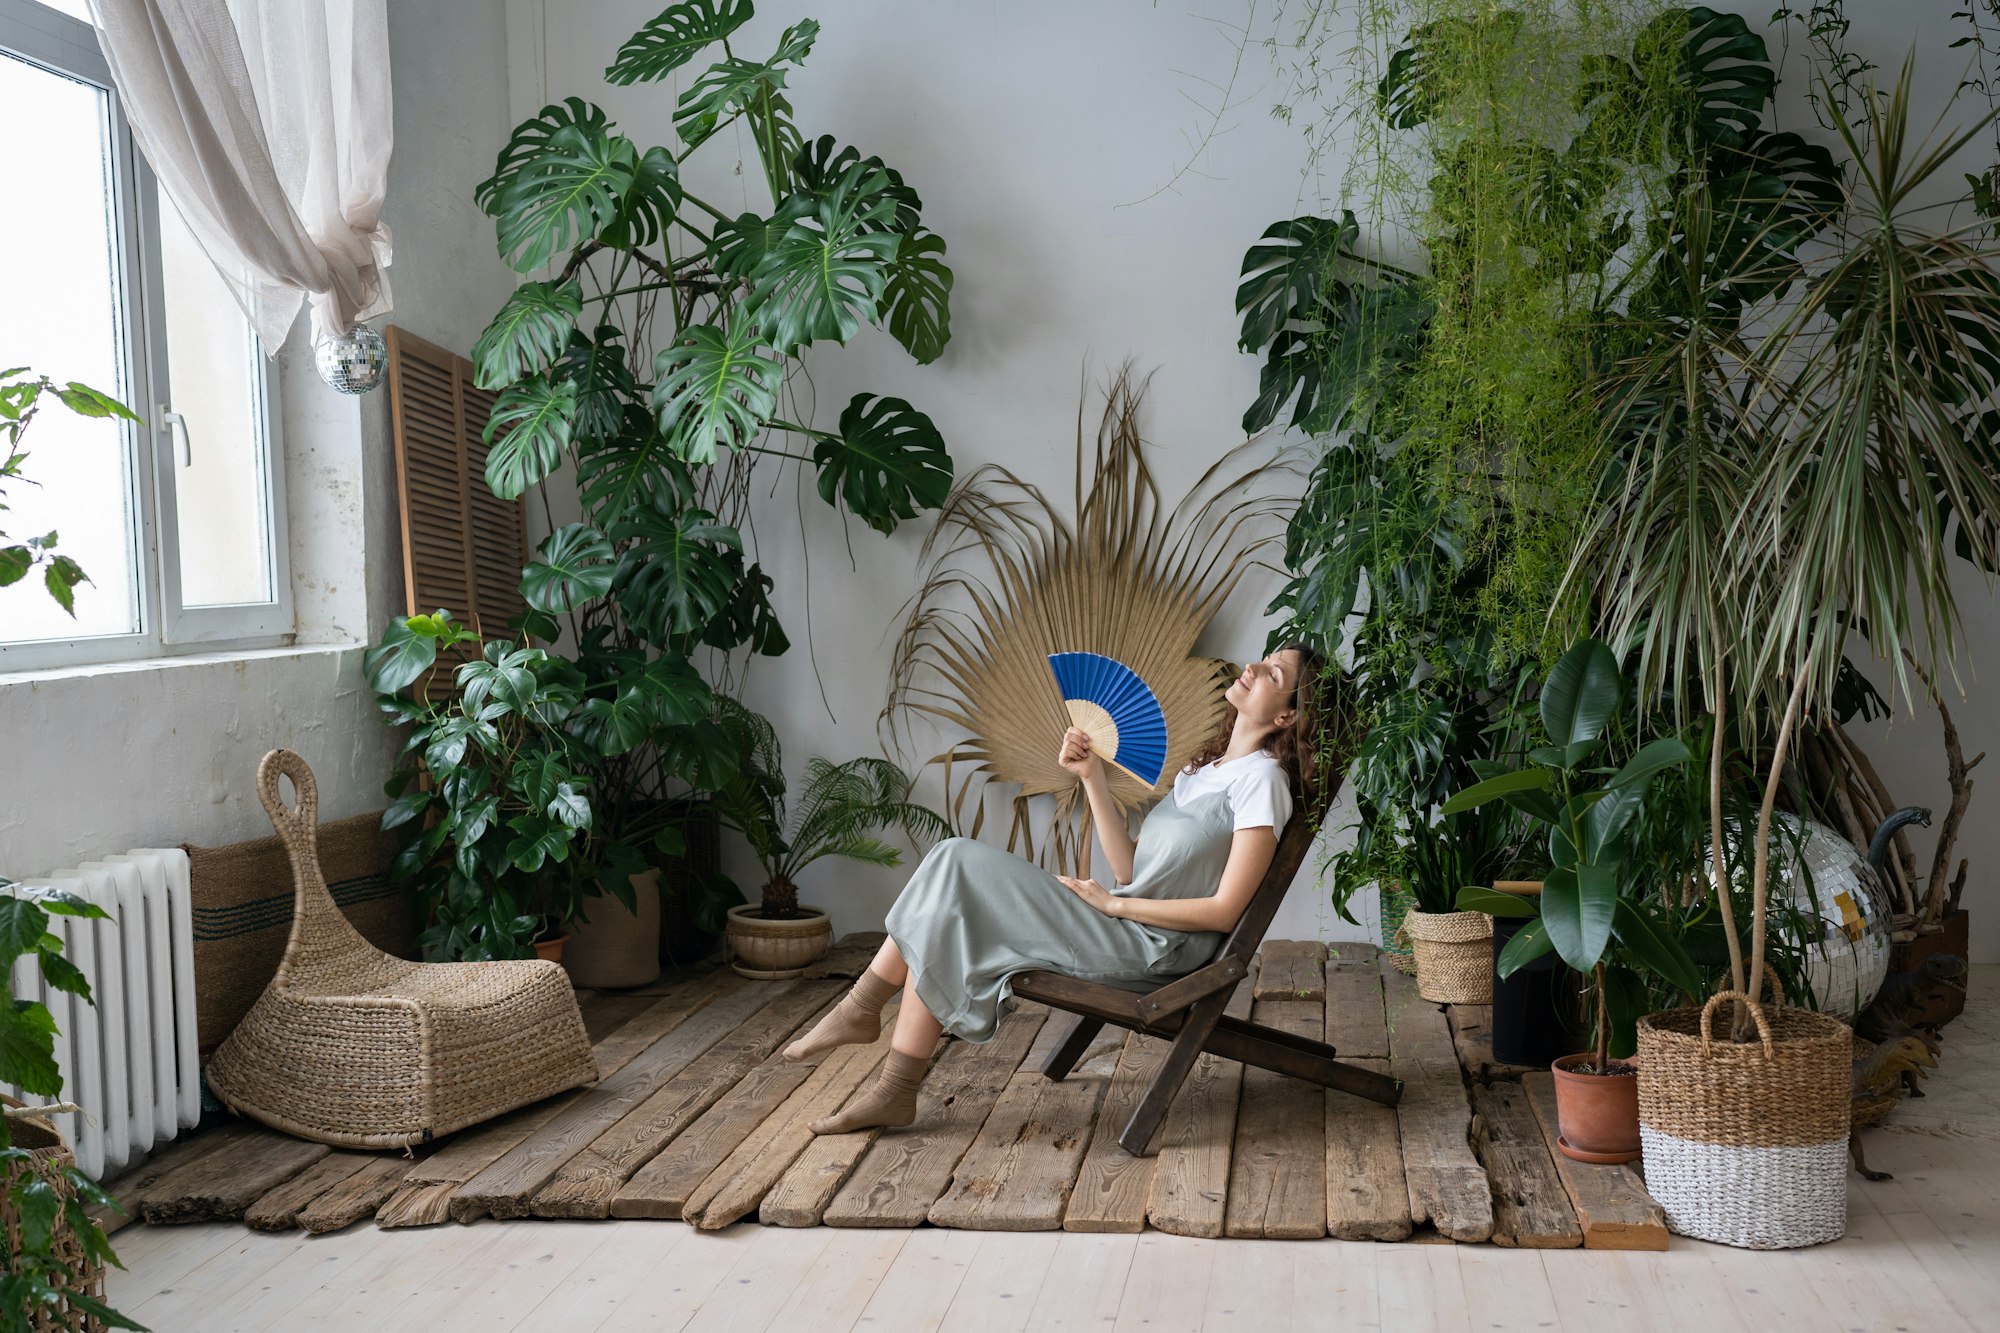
{"type": "Point", "coordinates": [62, 320]}
{"type": "Point", "coordinates": [218, 440]}
{"type": "Point", "coordinates": [76, 9]}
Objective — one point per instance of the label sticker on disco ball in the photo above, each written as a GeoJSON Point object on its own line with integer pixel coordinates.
{"type": "Point", "coordinates": [355, 362]}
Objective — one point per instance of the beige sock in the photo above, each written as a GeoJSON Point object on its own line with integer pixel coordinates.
{"type": "Point", "coordinates": [857, 1018]}
{"type": "Point", "coordinates": [890, 1101]}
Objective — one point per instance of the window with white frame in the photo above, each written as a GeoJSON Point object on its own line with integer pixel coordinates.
{"type": "Point", "coordinates": [178, 521]}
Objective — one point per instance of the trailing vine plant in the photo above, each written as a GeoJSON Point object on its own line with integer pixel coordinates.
{"type": "Point", "coordinates": [651, 364]}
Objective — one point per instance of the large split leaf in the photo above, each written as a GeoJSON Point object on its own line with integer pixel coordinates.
{"type": "Point", "coordinates": [715, 389]}
{"type": "Point", "coordinates": [531, 139]}
{"type": "Point", "coordinates": [733, 84]}
{"type": "Point", "coordinates": [1285, 275]}
{"type": "Point", "coordinates": [673, 37]}
{"type": "Point", "coordinates": [648, 204]}
{"type": "Point", "coordinates": [675, 574]}
{"type": "Point", "coordinates": [561, 196]}
{"type": "Point", "coordinates": [573, 565]}
{"type": "Point", "coordinates": [738, 246]}
{"type": "Point", "coordinates": [529, 433]}
{"type": "Point", "coordinates": [824, 278]}
{"type": "Point", "coordinates": [530, 331]}
{"type": "Point", "coordinates": [916, 300]}
{"type": "Point", "coordinates": [887, 463]}
{"type": "Point", "coordinates": [635, 468]}
{"type": "Point", "coordinates": [605, 387]}
{"type": "Point", "coordinates": [819, 165]}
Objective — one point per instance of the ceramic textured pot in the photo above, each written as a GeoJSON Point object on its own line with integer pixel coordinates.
{"type": "Point", "coordinates": [614, 947]}
{"type": "Point", "coordinates": [1598, 1114]}
{"type": "Point", "coordinates": [770, 949]}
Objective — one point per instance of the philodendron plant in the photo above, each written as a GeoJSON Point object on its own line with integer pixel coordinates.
{"type": "Point", "coordinates": [1592, 912]}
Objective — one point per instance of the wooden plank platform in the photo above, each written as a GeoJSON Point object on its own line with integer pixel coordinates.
{"type": "Point", "coordinates": [697, 1116]}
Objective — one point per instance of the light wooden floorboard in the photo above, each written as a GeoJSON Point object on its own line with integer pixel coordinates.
{"type": "Point", "coordinates": [1917, 1256]}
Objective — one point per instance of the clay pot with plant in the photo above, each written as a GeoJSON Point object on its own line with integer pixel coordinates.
{"type": "Point", "coordinates": [1587, 913]}
{"type": "Point", "coordinates": [841, 809]}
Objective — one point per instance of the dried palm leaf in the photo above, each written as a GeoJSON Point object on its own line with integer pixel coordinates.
{"type": "Point", "coordinates": [1009, 580]}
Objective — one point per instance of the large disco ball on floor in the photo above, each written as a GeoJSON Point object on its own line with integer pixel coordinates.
{"type": "Point", "coordinates": [1839, 920]}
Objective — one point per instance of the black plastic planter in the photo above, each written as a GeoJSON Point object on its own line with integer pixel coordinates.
{"type": "Point", "coordinates": [1529, 1022]}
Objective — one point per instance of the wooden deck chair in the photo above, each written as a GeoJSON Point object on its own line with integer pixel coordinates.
{"type": "Point", "coordinates": [1189, 1008]}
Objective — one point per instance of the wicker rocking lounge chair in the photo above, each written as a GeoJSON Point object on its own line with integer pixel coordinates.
{"type": "Point", "coordinates": [1189, 1008]}
{"type": "Point", "coordinates": [351, 1046]}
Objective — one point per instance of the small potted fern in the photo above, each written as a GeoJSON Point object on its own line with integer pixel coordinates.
{"type": "Point", "coordinates": [842, 807]}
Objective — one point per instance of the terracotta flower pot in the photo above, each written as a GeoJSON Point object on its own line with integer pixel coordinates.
{"type": "Point", "coordinates": [551, 950]}
{"type": "Point", "coordinates": [1598, 1113]}
{"type": "Point", "coordinates": [769, 949]}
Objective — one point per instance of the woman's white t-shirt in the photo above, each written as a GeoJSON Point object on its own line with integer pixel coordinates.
{"type": "Point", "coordinates": [1260, 796]}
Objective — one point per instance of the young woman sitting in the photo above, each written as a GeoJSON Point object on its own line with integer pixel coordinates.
{"type": "Point", "coordinates": [973, 915]}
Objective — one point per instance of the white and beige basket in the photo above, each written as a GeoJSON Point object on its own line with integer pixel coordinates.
{"type": "Point", "coordinates": [1746, 1143]}
{"type": "Point", "coordinates": [1454, 952]}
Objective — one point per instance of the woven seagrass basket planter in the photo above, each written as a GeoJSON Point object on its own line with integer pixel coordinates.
{"type": "Point", "coordinates": [47, 1156]}
{"type": "Point", "coordinates": [773, 949]}
{"type": "Point", "coordinates": [1454, 955]}
{"type": "Point", "coordinates": [1746, 1142]}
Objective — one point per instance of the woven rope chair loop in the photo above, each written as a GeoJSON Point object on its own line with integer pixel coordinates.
{"type": "Point", "coordinates": [295, 826]}
{"type": "Point", "coordinates": [1756, 1012]}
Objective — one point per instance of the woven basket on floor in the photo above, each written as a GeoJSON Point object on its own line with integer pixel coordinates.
{"type": "Point", "coordinates": [1746, 1143]}
{"type": "Point", "coordinates": [1454, 955]}
{"type": "Point", "coordinates": [351, 1046]}
{"type": "Point", "coordinates": [47, 1156]}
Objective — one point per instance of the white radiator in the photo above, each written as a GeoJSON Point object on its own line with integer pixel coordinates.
{"type": "Point", "coordinates": [130, 1059]}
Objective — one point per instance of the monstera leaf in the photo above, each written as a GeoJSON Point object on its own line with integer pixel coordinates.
{"type": "Point", "coordinates": [825, 276]}
{"type": "Point", "coordinates": [817, 166]}
{"type": "Point", "coordinates": [530, 331]}
{"type": "Point", "coordinates": [1724, 67]}
{"type": "Point", "coordinates": [572, 566]}
{"type": "Point", "coordinates": [528, 434]}
{"type": "Point", "coordinates": [648, 204]}
{"type": "Point", "coordinates": [749, 618]}
{"type": "Point", "coordinates": [887, 463]}
{"type": "Point", "coordinates": [916, 300]}
{"type": "Point", "coordinates": [1422, 74]}
{"type": "Point", "coordinates": [531, 139]}
{"type": "Point", "coordinates": [635, 468]}
{"type": "Point", "coordinates": [675, 574]}
{"type": "Point", "coordinates": [1284, 276]}
{"type": "Point", "coordinates": [562, 195]}
{"type": "Point", "coordinates": [673, 38]}
{"type": "Point", "coordinates": [736, 85]}
{"type": "Point", "coordinates": [715, 390]}
{"type": "Point", "coordinates": [605, 388]}
{"type": "Point", "coordinates": [738, 246]}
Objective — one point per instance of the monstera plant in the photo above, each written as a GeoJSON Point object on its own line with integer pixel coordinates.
{"type": "Point", "coordinates": [645, 361]}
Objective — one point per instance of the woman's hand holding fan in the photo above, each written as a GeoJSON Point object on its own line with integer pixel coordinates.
{"type": "Point", "coordinates": [1077, 756]}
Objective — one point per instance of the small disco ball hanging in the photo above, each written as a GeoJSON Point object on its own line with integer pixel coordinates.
{"type": "Point", "coordinates": [354, 362]}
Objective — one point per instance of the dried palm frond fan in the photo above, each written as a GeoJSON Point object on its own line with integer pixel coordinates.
{"type": "Point", "coordinates": [1126, 578]}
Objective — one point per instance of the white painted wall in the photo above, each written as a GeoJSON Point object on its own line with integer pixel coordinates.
{"type": "Point", "coordinates": [152, 754]}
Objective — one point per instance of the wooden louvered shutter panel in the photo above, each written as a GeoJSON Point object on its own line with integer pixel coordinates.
{"type": "Point", "coordinates": [463, 546]}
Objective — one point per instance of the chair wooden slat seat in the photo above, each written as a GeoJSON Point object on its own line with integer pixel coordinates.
{"type": "Point", "coordinates": [1189, 1009]}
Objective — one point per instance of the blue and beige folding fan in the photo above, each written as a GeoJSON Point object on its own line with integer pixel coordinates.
{"type": "Point", "coordinates": [1120, 711]}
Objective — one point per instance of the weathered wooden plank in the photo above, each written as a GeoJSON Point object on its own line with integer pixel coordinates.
{"type": "Point", "coordinates": [1530, 1209]}
{"type": "Point", "coordinates": [1447, 1185]}
{"type": "Point", "coordinates": [754, 1172]}
{"type": "Point", "coordinates": [1352, 956]}
{"type": "Point", "coordinates": [223, 1183]}
{"type": "Point", "coordinates": [135, 1187]}
{"type": "Point", "coordinates": [354, 1198]}
{"type": "Point", "coordinates": [431, 1185]}
{"type": "Point", "coordinates": [1191, 1180]}
{"type": "Point", "coordinates": [604, 1013]}
{"type": "Point", "coordinates": [1112, 1186]}
{"type": "Point", "coordinates": [1367, 1197]}
{"type": "Point", "coordinates": [1291, 970]}
{"type": "Point", "coordinates": [667, 1182]}
{"type": "Point", "coordinates": [585, 1184]}
{"type": "Point", "coordinates": [1018, 1171]}
{"type": "Point", "coordinates": [1355, 1026]}
{"type": "Point", "coordinates": [1277, 1166]}
{"type": "Point", "coordinates": [505, 1188]}
{"type": "Point", "coordinates": [1612, 1206]}
{"type": "Point", "coordinates": [1472, 1038]}
{"type": "Point", "coordinates": [279, 1209]}
{"type": "Point", "coordinates": [903, 1173]}
{"type": "Point", "coordinates": [847, 958]}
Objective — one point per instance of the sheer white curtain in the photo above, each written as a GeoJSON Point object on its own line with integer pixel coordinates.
{"type": "Point", "coordinates": [267, 122]}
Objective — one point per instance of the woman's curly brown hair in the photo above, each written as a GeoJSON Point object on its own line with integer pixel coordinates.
{"type": "Point", "coordinates": [1296, 746]}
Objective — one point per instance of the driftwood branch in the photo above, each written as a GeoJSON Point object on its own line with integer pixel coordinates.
{"type": "Point", "coordinates": [1956, 769]}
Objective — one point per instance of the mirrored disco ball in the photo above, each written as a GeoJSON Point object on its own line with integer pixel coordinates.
{"type": "Point", "coordinates": [355, 362]}
{"type": "Point", "coordinates": [1842, 916]}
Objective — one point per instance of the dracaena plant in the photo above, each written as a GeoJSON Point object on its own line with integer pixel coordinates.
{"type": "Point", "coordinates": [1595, 909]}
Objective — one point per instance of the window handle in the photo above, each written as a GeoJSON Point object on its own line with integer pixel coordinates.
{"type": "Point", "coordinates": [175, 421]}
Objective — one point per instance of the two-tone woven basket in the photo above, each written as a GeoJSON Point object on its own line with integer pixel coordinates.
{"type": "Point", "coordinates": [1746, 1142]}
{"type": "Point", "coordinates": [1396, 904]}
{"type": "Point", "coordinates": [1454, 955]}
